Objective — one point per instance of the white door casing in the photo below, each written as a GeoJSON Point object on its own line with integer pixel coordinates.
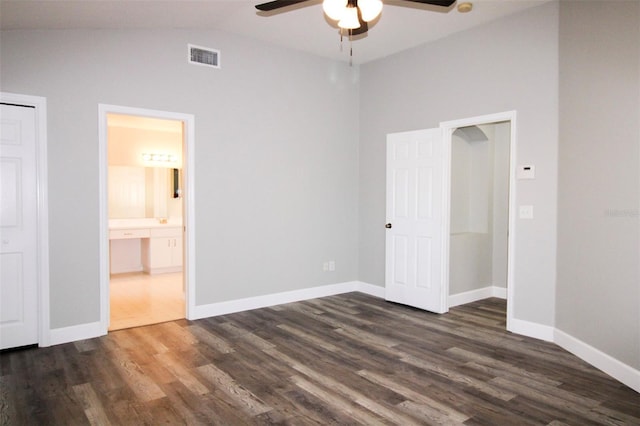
{"type": "Point", "coordinates": [414, 234]}
{"type": "Point", "coordinates": [188, 121]}
{"type": "Point", "coordinates": [23, 222]}
{"type": "Point", "coordinates": [448, 127]}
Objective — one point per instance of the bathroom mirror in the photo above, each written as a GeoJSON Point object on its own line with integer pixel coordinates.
{"type": "Point", "coordinates": [143, 192]}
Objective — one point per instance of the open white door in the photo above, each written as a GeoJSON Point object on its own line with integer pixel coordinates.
{"type": "Point", "coordinates": [18, 227]}
{"type": "Point", "coordinates": [414, 274]}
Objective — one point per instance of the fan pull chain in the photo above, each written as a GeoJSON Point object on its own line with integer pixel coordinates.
{"type": "Point", "coordinates": [350, 35]}
{"type": "Point", "coordinates": [350, 48]}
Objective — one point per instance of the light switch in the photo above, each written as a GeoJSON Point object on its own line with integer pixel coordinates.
{"type": "Point", "coordinates": [526, 212]}
{"type": "Point", "coordinates": [526, 171]}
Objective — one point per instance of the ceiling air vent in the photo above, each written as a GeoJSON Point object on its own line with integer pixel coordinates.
{"type": "Point", "coordinates": [204, 56]}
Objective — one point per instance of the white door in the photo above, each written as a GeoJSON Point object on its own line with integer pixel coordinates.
{"type": "Point", "coordinates": [414, 274]}
{"type": "Point", "coordinates": [18, 227]}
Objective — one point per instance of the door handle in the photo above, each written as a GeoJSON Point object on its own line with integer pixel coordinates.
{"type": "Point", "coordinates": [388, 226]}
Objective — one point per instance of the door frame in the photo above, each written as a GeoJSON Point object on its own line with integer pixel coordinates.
{"type": "Point", "coordinates": [42, 188]}
{"type": "Point", "coordinates": [188, 121]}
{"type": "Point", "coordinates": [448, 128]}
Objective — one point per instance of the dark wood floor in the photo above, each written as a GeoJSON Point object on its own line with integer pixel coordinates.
{"type": "Point", "coordinates": [348, 359]}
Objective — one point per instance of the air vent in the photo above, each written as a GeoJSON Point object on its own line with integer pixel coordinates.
{"type": "Point", "coordinates": [204, 56]}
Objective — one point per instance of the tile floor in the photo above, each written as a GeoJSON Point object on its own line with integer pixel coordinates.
{"type": "Point", "coordinates": [141, 299]}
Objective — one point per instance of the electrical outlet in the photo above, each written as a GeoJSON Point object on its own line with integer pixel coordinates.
{"type": "Point", "coordinates": [332, 265]}
{"type": "Point", "coordinates": [325, 266]}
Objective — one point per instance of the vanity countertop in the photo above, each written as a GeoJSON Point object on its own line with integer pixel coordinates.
{"type": "Point", "coordinates": [144, 223]}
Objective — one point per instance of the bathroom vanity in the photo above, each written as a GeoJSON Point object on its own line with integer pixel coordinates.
{"type": "Point", "coordinates": [147, 245]}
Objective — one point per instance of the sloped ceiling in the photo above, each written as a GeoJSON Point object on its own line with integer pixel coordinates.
{"type": "Point", "coordinates": [301, 27]}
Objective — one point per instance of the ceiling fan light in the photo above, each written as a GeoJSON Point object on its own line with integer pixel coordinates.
{"type": "Point", "coordinates": [334, 9]}
{"type": "Point", "coordinates": [370, 9]}
{"type": "Point", "coordinates": [349, 19]}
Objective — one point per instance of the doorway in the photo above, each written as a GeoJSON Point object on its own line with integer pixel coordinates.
{"type": "Point", "coordinates": [145, 208]}
{"type": "Point", "coordinates": [492, 210]}
{"type": "Point", "coordinates": [479, 213]}
{"type": "Point", "coordinates": [418, 223]}
{"type": "Point", "coordinates": [146, 216]}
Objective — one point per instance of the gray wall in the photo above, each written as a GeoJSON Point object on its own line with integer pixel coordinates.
{"type": "Point", "coordinates": [502, 139]}
{"type": "Point", "coordinates": [509, 64]}
{"type": "Point", "coordinates": [276, 155]}
{"type": "Point", "coordinates": [598, 290]}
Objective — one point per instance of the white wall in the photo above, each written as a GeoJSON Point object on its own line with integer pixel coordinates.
{"type": "Point", "coordinates": [275, 155]}
{"type": "Point", "coordinates": [598, 293]}
{"type": "Point", "coordinates": [509, 64]}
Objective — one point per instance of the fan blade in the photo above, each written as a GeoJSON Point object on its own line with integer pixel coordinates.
{"type": "Point", "coordinates": [443, 3]}
{"type": "Point", "coordinates": [277, 4]}
{"type": "Point", "coordinates": [363, 29]}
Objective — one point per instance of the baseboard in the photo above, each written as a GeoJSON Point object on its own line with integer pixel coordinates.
{"type": "Point", "coordinates": [370, 289]}
{"type": "Point", "coordinates": [530, 329]}
{"type": "Point", "coordinates": [239, 305]}
{"type": "Point", "coordinates": [616, 369]}
{"type": "Point", "coordinates": [475, 295]}
{"type": "Point", "coordinates": [74, 333]}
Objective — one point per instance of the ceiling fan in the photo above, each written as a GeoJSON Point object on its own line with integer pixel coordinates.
{"type": "Point", "coordinates": [351, 15]}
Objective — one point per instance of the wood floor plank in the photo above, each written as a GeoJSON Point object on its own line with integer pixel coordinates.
{"type": "Point", "coordinates": [182, 373]}
{"type": "Point", "coordinates": [141, 384]}
{"type": "Point", "coordinates": [93, 407]}
{"type": "Point", "coordinates": [429, 408]}
{"type": "Point", "coordinates": [338, 402]}
{"type": "Point", "coordinates": [244, 399]}
{"type": "Point", "coordinates": [345, 359]}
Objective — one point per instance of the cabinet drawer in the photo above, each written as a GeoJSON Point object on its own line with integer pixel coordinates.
{"type": "Point", "coordinates": [166, 232]}
{"type": "Point", "coordinates": [121, 234]}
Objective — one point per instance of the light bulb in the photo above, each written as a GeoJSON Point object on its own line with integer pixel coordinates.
{"type": "Point", "coordinates": [334, 9]}
{"type": "Point", "coordinates": [349, 19]}
{"type": "Point", "coordinates": [370, 9]}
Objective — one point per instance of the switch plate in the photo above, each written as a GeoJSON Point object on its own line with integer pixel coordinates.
{"type": "Point", "coordinates": [526, 212]}
{"type": "Point", "coordinates": [332, 265]}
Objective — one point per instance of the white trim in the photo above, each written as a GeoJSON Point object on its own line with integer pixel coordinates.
{"type": "Point", "coordinates": [239, 305]}
{"type": "Point", "coordinates": [445, 243]}
{"type": "Point", "coordinates": [477, 294]}
{"type": "Point", "coordinates": [532, 329]}
{"type": "Point", "coordinates": [188, 121]}
{"type": "Point", "coordinates": [616, 369]}
{"type": "Point", "coordinates": [40, 105]}
{"type": "Point", "coordinates": [448, 128]}
{"type": "Point", "coordinates": [499, 292]}
{"type": "Point", "coordinates": [75, 333]}
{"type": "Point", "coordinates": [371, 290]}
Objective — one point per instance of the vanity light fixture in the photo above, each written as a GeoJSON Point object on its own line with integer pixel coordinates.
{"type": "Point", "coordinates": [161, 158]}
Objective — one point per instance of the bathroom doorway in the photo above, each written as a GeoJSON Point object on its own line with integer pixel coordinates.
{"type": "Point", "coordinates": [144, 203]}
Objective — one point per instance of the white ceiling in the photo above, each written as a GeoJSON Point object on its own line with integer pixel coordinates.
{"type": "Point", "coordinates": [302, 27]}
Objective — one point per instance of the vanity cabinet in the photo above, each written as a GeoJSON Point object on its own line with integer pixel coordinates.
{"type": "Point", "coordinates": [162, 251]}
